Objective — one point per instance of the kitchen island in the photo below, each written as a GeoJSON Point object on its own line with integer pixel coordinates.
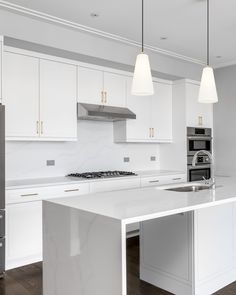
{"type": "Point", "coordinates": [187, 240]}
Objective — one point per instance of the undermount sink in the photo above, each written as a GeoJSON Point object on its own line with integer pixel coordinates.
{"type": "Point", "coordinates": [189, 188]}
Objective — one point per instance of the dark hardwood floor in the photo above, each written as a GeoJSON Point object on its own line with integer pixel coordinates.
{"type": "Point", "coordinates": [27, 280]}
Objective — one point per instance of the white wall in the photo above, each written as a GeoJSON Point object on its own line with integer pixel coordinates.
{"type": "Point", "coordinates": [225, 121]}
{"type": "Point", "coordinates": [33, 30]}
{"type": "Point", "coordinates": [93, 151]}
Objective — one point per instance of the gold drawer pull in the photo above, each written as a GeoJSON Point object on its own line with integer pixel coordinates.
{"type": "Point", "coordinates": [29, 195]}
{"type": "Point", "coordinates": [153, 181]}
{"type": "Point", "coordinates": [179, 178]}
{"type": "Point", "coordinates": [71, 190]}
{"type": "Point", "coordinates": [41, 127]}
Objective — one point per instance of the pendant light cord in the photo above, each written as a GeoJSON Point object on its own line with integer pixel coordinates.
{"type": "Point", "coordinates": [208, 32]}
{"type": "Point", "coordinates": [142, 26]}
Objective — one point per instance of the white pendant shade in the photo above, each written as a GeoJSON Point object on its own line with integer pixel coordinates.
{"type": "Point", "coordinates": [208, 92]}
{"type": "Point", "coordinates": [142, 80]}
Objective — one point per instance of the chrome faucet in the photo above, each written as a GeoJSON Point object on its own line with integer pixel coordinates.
{"type": "Point", "coordinates": [211, 181]}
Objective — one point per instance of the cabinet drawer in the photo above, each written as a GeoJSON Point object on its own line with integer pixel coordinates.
{"type": "Point", "coordinates": [118, 184]}
{"type": "Point", "coordinates": [70, 190]}
{"type": "Point", "coordinates": [161, 180]}
{"type": "Point", "coordinates": [2, 255]}
{"type": "Point", "coordinates": [24, 195]}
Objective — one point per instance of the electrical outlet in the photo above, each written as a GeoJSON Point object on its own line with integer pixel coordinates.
{"type": "Point", "coordinates": [126, 159]}
{"type": "Point", "coordinates": [153, 158]}
{"type": "Point", "coordinates": [50, 162]}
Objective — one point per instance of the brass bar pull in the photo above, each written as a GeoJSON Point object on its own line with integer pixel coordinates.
{"type": "Point", "coordinates": [105, 97]}
{"type": "Point", "coordinates": [71, 190]}
{"type": "Point", "coordinates": [153, 181]}
{"type": "Point", "coordinates": [41, 127]}
{"type": "Point", "coordinates": [152, 132]}
{"type": "Point", "coordinates": [29, 195]}
{"type": "Point", "coordinates": [200, 120]}
{"type": "Point", "coordinates": [37, 127]}
{"type": "Point", "coordinates": [179, 178]}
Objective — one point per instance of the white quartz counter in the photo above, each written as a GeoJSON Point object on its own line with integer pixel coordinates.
{"type": "Point", "coordinates": [149, 203]}
{"type": "Point", "coordinates": [51, 181]}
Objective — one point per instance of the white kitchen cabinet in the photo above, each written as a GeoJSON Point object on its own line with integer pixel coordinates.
{"type": "Point", "coordinates": [40, 98]}
{"type": "Point", "coordinates": [21, 95]}
{"type": "Point", "coordinates": [23, 234]}
{"type": "Point", "coordinates": [111, 185]}
{"type": "Point", "coordinates": [206, 234]}
{"type": "Point", "coordinates": [161, 112]}
{"type": "Point", "coordinates": [58, 100]}
{"type": "Point", "coordinates": [153, 121]}
{"type": "Point", "coordinates": [149, 181]}
{"type": "Point", "coordinates": [100, 87]}
{"type": "Point", "coordinates": [166, 251]}
{"type": "Point", "coordinates": [197, 114]}
{"type": "Point", "coordinates": [90, 85]}
{"type": "Point", "coordinates": [115, 89]}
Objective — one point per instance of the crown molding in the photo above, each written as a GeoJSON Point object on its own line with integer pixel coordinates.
{"type": "Point", "coordinates": [53, 19]}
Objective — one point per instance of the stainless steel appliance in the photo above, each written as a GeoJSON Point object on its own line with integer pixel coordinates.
{"type": "Point", "coordinates": [86, 111]}
{"type": "Point", "coordinates": [102, 174]}
{"type": "Point", "coordinates": [199, 139]}
{"type": "Point", "coordinates": [2, 190]}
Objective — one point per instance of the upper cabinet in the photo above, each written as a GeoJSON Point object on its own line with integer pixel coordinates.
{"type": "Point", "coordinates": [197, 114]}
{"type": "Point", "coordinates": [21, 95]}
{"type": "Point", "coordinates": [153, 116]}
{"type": "Point", "coordinates": [40, 98]}
{"type": "Point", "coordinates": [101, 87]}
{"type": "Point", "coordinates": [58, 100]}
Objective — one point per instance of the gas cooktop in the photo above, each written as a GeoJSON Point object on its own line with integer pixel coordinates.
{"type": "Point", "coordinates": [102, 174]}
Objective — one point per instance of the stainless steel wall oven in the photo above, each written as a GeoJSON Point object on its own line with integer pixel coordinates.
{"type": "Point", "coordinates": [199, 139]}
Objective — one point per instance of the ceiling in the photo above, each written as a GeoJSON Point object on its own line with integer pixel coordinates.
{"type": "Point", "coordinates": [183, 22]}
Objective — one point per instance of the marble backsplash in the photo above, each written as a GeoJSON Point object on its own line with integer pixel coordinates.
{"type": "Point", "coordinates": [94, 150]}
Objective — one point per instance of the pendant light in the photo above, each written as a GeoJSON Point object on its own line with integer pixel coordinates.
{"type": "Point", "coordinates": [142, 81]}
{"type": "Point", "coordinates": [208, 92]}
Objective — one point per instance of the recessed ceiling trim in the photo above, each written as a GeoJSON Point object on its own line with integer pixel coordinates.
{"type": "Point", "coordinates": [53, 19]}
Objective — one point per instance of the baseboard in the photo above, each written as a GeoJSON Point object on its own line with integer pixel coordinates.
{"type": "Point", "coordinates": [164, 282]}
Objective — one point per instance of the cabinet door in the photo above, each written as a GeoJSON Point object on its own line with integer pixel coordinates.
{"type": "Point", "coordinates": [115, 89]}
{"type": "Point", "coordinates": [21, 95]}
{"type": "Point", "coordinates": [58, 100]}
{"type": "Point", "coordinates": [197, 114]}
{"type": "Point", "coordinates": [138, 129]}
{"type": "Point", "coordinates": [90, 86]}
{"type": "Point", "coordinates": [162, 112]}
{"type": "Point", "coordinates": [23, 234]}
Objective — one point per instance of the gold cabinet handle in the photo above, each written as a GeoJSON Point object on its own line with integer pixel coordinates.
{"type": "Point", "coordinates": [71, 190]}
{"type": "Point", "coordinates": [102, 96]}
{"type": "Point", "coordinates": [152, 132]}
{"type": "Point", "coordinates": [200, 120]}
{"type": "Point", "coordinates": [105, 97]}
{"type": "Point", "coordinates": [29, 195]}
{"type": "Point", "coordinates": [41, 127]}
{"type": "Point", "coordinates": [37, 127]}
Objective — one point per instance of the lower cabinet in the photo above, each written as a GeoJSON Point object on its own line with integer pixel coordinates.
{"type": "Point", "coordinates": [24, 233]}
{"type": "Point", "coordinates": [190, 253]}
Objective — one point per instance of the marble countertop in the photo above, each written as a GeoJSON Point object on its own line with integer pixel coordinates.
{"type": "Point", "coordinates": [63, 180]}
{"type": "Point", "coordinates": [136, 205]}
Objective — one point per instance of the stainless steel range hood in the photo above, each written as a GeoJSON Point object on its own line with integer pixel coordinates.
{"type": "Point", "coordinates": [103, 113]}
